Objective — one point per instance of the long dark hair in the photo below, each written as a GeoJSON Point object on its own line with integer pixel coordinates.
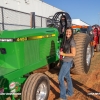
{"type": "Point", "coordinates": [66, 41]}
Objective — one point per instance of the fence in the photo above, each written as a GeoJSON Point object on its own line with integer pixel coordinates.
{"type": "Point", "coordinates": [14, 20]}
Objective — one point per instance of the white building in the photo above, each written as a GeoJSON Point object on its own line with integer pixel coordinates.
{"type": "Point", "coordinates": [79, 22]}
{"type": "Point", "coordinates": [16, 20]}
{"type": "Point", "coordinates": [39, 7]}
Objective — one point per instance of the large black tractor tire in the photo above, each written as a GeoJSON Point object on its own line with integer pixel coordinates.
{"type": "Point", "coordinates": [83, 48]}
{"type": "Point", "coordinates": [98, 47]}
{"type": "Point", "coordinates": [36, 87]}
{"type": "Point", "coordinates": [99, 39]}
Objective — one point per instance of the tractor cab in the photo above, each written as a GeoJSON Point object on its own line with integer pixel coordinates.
{"type": "Point", "coordinates": [61, 20]}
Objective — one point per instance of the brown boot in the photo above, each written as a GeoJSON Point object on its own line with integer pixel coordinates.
{"type": "Point", "coordinates": [59, 99]}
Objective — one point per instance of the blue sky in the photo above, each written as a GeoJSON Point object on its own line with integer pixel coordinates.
{"type": "Point", "coordinates": [86, 10]}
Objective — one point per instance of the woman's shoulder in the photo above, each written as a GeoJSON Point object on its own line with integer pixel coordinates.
{"type": "Point", "coordinates": [73, 42]}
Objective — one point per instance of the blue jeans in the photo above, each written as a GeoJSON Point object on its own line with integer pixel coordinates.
{"type": "Point", "coordinates": [65, 73]}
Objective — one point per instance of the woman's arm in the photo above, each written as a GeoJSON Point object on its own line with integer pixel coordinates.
{"type": "Point", "coordinates": [72, 54]}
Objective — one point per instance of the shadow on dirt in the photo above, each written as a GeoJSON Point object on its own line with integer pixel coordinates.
{"type": "Point", "coordinates": [54, 91]}
{"type": "Point", "coordinates": [77, 85]}
{"type": "Point", "coordinates": [55, 70]}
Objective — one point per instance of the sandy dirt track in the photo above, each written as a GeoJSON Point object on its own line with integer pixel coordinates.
{"type": "Point", "coordinates": [86, 87]}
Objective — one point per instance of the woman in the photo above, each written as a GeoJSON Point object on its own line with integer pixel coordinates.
{"type": "Point", "coordinates": [68, 53]}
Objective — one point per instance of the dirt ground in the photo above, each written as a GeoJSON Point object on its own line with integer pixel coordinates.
{"type": "Point", "coordinates": [86, 87]}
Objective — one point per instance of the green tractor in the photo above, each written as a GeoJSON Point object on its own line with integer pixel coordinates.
{"type": "Point", "coordinates": [26, 54]}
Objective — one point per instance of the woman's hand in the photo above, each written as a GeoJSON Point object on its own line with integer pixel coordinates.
{"type": "Point", "coordinates": [61, 53]}
{"type": "Point", "coordinates": [72, 54]}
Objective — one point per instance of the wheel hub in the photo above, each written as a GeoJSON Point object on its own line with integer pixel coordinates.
{"type": "Point", "coordinates": [88, 55]}
{"type": "Point", "coordinates": [41, 91]}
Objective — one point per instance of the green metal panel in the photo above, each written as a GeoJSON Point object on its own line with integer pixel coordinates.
{"type": "Point", "coordinates": [25, 56]}
{"type": "Point", "coordinates": [31, 52]}
{"type": "Point", "coordinates": [30, 49]}
{"type": "Point", "coordinates": [27, 32]}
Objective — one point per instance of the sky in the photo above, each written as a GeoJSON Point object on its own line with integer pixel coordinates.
{"type": "Point", "coordinates": [86, 10]}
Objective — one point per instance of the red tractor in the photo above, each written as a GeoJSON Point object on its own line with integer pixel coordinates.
{"type": "Point", "coordinates": [96, 32]}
